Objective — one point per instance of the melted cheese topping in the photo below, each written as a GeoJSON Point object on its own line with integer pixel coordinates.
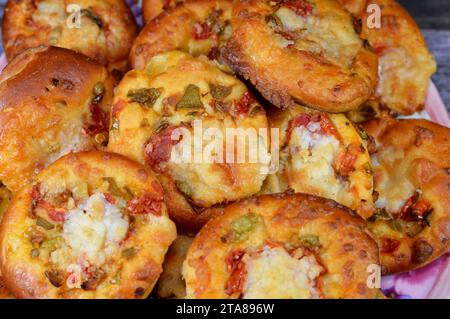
{"type": "Point", "coordinates": [312, 154]}
{"type": "Point", "coordinates": [403, 77]}
{"type": "Point", "coordinates": [290, 20]}
{"type": "Point", "coordinates": [69, 138]}
{"type": "Point", "coordinates": [329, 35]}
{"type": "Point", "coordinates": [50, 12]}
{"type": "Point", "coordinates": [275, 274]}
{"type": "Point", "coordinates": [53, 13]}
{"type": "Point", "coordinates": [393, 190]}
{"type": "Point", "coordinates": [92, 232]}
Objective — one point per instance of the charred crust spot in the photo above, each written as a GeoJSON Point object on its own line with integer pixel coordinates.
{"type": "Point", "coordinates": [357, 24]}
{"type": "Point", "coordinates": [55, 277]}
{"type": "Point", "coordinates": [226, 239]}
{"type": "Point", "coordinates": [94, 281]}
{"type": "Point", "coordinates": [117, 74]}
{"type": "Point", "coordinates": [367, 46]}
{"type": "Point", "coordinates": [348, 247]}
{"type": "Point", "coordinates": [67, 85]}
{"type": "Point", "coordinates": [362, 254]}
{"type": "Point", "coordinates": [421, 251]}
{"type": "Point", "coordinates": [337, 89]}
{"type": "Point", "coordinates": [139, 292]}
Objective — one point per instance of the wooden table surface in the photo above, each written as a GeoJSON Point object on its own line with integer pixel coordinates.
{"type": "Point", "coordinates": [433, 16]}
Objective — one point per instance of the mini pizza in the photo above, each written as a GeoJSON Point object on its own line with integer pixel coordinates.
{"type": "Point", "coordinates": [52, 101]}
{"type": "Point", "coordinates": [152, 8]}
{"type": "Point", "coordinates": [104, 30]}
{"type": "Point", "coordinates": [198, 27]}
{"type": "Point", "coordinates": [171, 283]}
{"type": "Point", "coordinates": [322, 154]}
{"type": "Point", "coordinates": [307, 51]}
{"type": "Point", "coordinates": [282, 246]}
{"type": "Point", "coordinates": [412, 179]}
{"type": "Point", "coordinates": [182, 116]}
{"type": "Point", "coordinates": [93, 225]}
{"type": "Point", "coordinates": [405, 64]}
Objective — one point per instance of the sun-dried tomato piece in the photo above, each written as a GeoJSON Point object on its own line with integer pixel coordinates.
{"type": "Point", "coordinates": [420, 208]}
{"type": "Point", "coordinates": [243, 106]}
{"type": "Point", "coordinates": [146, 204]}
{"type": "Point", "coordinates": [301, 120]}
{"type": "Point", "coordinates": [326, 125]}
{"type": "Point", "coordinates": [389, 245]}
{"type": "Point", "coordinates": [201, 31]}
{"type": "Point", "coordinates": [238, 273]}
{"type": "Point", "coordinates": [99, 121]}
{"type": "Point", "coordinates": [36, 195]}
{"type": "Point", "coordinates": [109, 198]}
{"type": "Point", "coordinates": [55, 214]}
{"type": "Point", "coordinates": [345, 163]}
{"type": "Point", "coordinates": [158, 149]}
{"type": "Point", "coordinates": [415, 209]}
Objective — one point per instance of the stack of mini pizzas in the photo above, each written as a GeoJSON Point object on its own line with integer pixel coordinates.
{"type": "Point", "coordinates": [117, 175]}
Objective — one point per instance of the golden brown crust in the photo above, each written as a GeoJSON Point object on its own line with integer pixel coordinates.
{"type": "Point", "coordinates": [196, 26]}
{"type": "Point", "coordinates": [281, 60]}
{"type": "Point", "coordinates": [171, 283]}
{"type": "Point", "coordinates": [411, 170]}
{"type": "Point", "coordinates": [324, 155]}
{"type": "Point", "coordinates": [5, 198]}
{"type": "Point", "coordinates": [106, 33]}
{"type": "Point", "coordinates": [346, 249]}
{"type": "Point", "coordinates": [122, 275]}
{"type": "Point", "coordinates": [186, 215]}
{"type": "Point", "coordinates": [152, 8]}
{"type": "Point", "coordinates": [355, 7]}
{"type": "Point", "coordinates": [48, 107]}
{"type": "Point", "coordinates": [406, 65]}
{"type": "Point", "coordinates": [143, 132]}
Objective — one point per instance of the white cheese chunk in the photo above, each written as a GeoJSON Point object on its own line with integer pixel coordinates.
{"type": "Point", "coordinates": [313, 154]}
{"type": "Point", "coordinates": [94, 229]}
{"type": "Point", "coordinates": [275, 274]}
